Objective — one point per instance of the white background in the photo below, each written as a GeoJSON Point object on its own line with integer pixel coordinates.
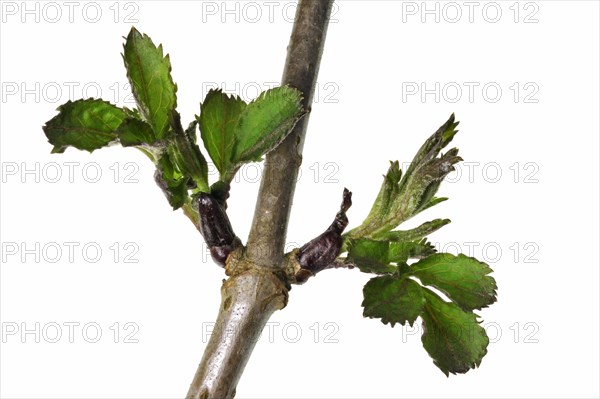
{"type": "Point", "coordinates": [541, 212]}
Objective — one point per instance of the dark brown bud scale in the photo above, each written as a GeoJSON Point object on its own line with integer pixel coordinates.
{"type": "Point", "coordinates": [320, 252]}
{"type": "Point", "coordinates": [215, 228]}
{"type": "Point", "coordinates": [214, 223]}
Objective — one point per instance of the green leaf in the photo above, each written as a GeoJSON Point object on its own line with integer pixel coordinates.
{"type": "Point", "coordinates": [381, 208]}
{"type": "Point", "coordinates": [84, 124]}
{"type": "Point", "coordinates": [149, 73]}
{"type": "Point", "coordinates": [403, 196]}
{"type": "Point", "coordinates": [134, 132]}
{"type": "Point", "coordinates": [432, 146]}
{"type": "Point", "coordinates": [414, 234]}
{"type": "Point", "coordinates": [186, 155]}
{"type": "Point", "coordinates": [452, 337]}
{"type": "Point", "coordinates": [265, 122]}
{"type": "Point", "coordinates": [370, 256]}
{"type": "Point", "coordinates": [433, 202]}
{"type": "Point", "coordinates": [393, 300]}
{"type": "Point", "coordinates": [424, 184]}
{"type": "Point", "coordinates": [402, 251]}
{"type": "Point", "coordinates": [171, 181]}
{"type": "Point", "coordinates": [387, 193]}
{"type": "Point", "coordinates": [132, 113]}
{"type": "Point", "coordinates": [417, 190]}
{"type": "Point", "coordinates": [465, 280]}
{"type": "Point", "coordinates": [219, 114]}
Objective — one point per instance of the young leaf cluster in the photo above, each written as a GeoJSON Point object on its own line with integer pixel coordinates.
{"type": "Point", "coordinates": [403, 196]}
{"type": "Point", "coordinates": [232, 131]}
{"type": "Point", "coordinates": [235, 132]}
{"type": "Point", "coordinates": [402, 292]}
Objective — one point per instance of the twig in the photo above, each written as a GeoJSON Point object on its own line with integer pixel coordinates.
{"type": "Point", "coordinates": [257, 286]}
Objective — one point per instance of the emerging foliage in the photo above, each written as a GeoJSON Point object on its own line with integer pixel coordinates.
{"type": "Point", "coordinates": [265, 122]}
{"type": "Point", "coordinates": [219, 114]}
{"type": "Point", "coordinates": [186, 154]}
{"type": "Point", "coordinates": [171, 181]}
{"type": "Point", "coordinates": [149, 73]}
{"type": "Point", "coordinates": [417, 233]}
{"type": "Point", "coordinates": [85, 125]}
{"type": "Point", "coordinates": [135, 132]}
{"type": "Point", "coordinates": [453, 337]}
{"type": "Point", "coordinates": [233, 132]}
{"type": "Point", "coordinates": [403, 196]}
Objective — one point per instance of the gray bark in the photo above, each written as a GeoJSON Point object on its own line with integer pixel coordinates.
{"type": "Point", "coordinates": [269, 227]}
